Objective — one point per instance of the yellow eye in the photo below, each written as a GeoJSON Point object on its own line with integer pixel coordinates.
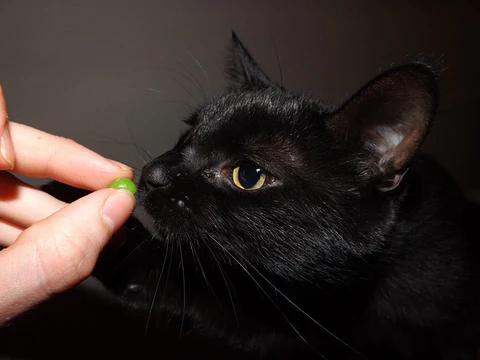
{"type": "Point", "coordinates": [247, 176]}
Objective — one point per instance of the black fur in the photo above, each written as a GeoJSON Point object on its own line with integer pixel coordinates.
{"type": "Point", "coordinates": [343, 254]}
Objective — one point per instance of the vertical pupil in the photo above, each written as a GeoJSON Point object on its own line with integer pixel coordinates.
{"type": "Point", "coordinates": [248, 175]}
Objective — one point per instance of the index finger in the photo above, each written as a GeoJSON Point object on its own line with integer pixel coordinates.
{"type": "Point", "coordinates": [43, 155]}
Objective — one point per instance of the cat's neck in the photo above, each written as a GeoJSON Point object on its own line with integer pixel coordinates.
{"type": "Point", "coordinates": [430, 238]}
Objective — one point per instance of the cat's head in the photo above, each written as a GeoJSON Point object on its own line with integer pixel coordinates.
{"type": "Point", "coordinates": [284, 182]}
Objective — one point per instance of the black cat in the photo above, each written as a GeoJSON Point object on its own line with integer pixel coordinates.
{"type": "Point", "coordinates": [285, 227]}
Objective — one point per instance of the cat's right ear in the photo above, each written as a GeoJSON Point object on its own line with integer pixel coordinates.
{"type": "Point", "coordinates": [242, 70]}
{"type": "Point", "coordinates": [386, 122]}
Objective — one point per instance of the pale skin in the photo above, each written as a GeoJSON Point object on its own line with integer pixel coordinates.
{"type": "Point", "coordinates": [48, 247]}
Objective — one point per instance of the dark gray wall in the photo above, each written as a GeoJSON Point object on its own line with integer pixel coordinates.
{"type": "Point", "coordinates": [86, 69]}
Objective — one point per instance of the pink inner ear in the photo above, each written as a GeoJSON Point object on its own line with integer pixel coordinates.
{"type": "Point", "coordinates": [409, 145]}
{"type": "Point", "coordinates": [394, 144]}
{"type": "Point", "coordinates": [394, 182]}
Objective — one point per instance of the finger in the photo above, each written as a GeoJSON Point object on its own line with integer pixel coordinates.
{"type": "Point", "coordinates": [43, 155]}
{"type": "Point", "coordinates": [60, 251]}
{"type": "Point", "coordinates": [7, 154]}
{"type": "Point", "coordinates": [23, 204]}
{"type": "Point", "coordinates": [9, 232]}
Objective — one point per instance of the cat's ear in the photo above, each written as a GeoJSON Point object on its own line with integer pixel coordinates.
{"type": "Point", "coordinates": [242, 70]}
{"type": "Point", "coordinates": [387, 121]}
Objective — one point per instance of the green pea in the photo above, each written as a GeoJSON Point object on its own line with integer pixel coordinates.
{"type": "Point", "coordinates": [123, 183]}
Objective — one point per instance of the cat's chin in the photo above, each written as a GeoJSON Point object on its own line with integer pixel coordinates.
{"type": "Point", "coordinates": [148, 222]}
{"type": "Point", "coordinates": [142, 214]}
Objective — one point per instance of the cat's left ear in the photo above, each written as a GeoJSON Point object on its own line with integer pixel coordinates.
{"type": "Point", "coordinates": [387, 122]}
{"type": "Point", "coordinates": [242, 69]}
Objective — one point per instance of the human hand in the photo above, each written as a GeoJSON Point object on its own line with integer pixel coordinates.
{"type": "Point", "coordinates": [50, 245]}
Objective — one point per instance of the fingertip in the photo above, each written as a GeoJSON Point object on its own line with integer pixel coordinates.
{"type": "Point", "coordinates": [117, 208]}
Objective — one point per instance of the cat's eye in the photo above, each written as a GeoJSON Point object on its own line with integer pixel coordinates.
{"type": "Point", "coordinates": [247, 176]}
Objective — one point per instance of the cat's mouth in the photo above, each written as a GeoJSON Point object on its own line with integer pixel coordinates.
{"type": "Point", "coordinates": [160, 210]}
{"type": "Point", "coordinates": [164, 199]}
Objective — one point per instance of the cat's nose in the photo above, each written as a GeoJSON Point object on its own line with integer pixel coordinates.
{"type": "Point", "coordinates": [157, 174]}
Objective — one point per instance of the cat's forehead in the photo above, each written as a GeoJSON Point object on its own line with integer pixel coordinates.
{"type": "Point", "coordinates": [257, 111]}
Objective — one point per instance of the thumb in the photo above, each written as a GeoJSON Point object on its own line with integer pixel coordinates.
{"type": "Point", "coordinates": [59, 252]}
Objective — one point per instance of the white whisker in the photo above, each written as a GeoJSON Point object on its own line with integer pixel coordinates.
{"type": "Point", "coordinates": [200, 66]}
{"type": "Point", "coordinates": [184, 288]}
{"type": "Point", "coordinates": [148, 238]}
{"type": "Point", "coordinates": [224, 276]}
{"type": "Point", "coordinates": [271, 300]}
{"type": "Point", "coordinates": [301, 310]}
{"type": "Point", "coordinates": [195, 254]}
{"type": "Point", "coordinates": [156, 291]}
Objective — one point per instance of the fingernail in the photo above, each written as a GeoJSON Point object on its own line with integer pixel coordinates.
{"type": "Point", "coordinates": [120, 165]}
{"type": "Point", "coordinates": [6, 148]}
{"type": "Point", "coordinates": [118, 207]}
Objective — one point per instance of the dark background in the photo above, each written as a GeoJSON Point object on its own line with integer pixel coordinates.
{"type": "Point", "coordinates": [86, 69]}
{"type": "Point", "coordinates": [92, 70]}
